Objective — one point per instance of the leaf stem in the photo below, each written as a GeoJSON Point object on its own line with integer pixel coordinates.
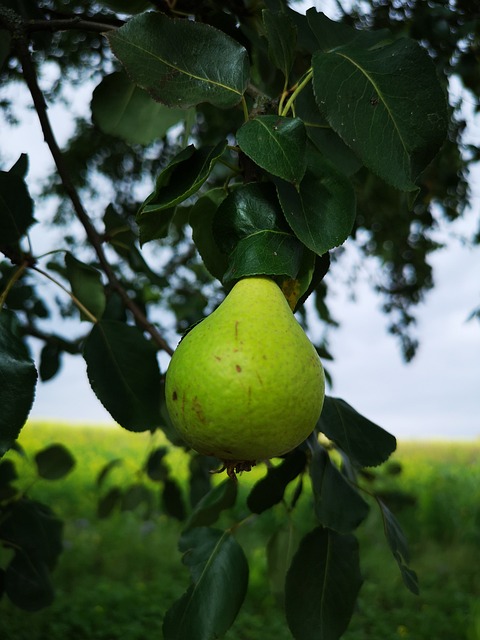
{"type": "Point", "coordinates": [75, 300]}
{"type": "Point", "coordinates": [299, 88]}
{"type": "Point", "coordinates": [245, 109]}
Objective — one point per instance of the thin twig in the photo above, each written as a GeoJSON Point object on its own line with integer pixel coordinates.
{"type": "Point", "coordinates": [93, 236]}
{"type": "Point", "coordinates": [68, 24]}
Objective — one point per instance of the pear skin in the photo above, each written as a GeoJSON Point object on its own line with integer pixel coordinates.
{"type": "Point", "coordinates": [246, 384]}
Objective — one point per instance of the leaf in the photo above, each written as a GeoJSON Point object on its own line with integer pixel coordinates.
{"type": "Point", "coordinates": [201, 220]}
{"type": "Point", "coordinates": [322, 585]}
{"type": "Point", "coordinates": [365, 443]}
{"type": "Point", "coordinates": [219, 572]}
{"type": "Point", "coordinates": [181, 63]}
{"type": "Point", "coordinates": [121, 109]}
{"type": "Point", "coordinates": [49, 361]}
{"type": "Point", "coordinates": [249, 226]}
{"type": "Point", "coordinates": [281, 548]}
{"type": "Point", "coordinates": [200, 478]}
{"type": "Point", "coordinates": [19, 377]}
{"type": "Point", "coordinates": [8, 472]}
{"type": "Point", "coordinates": [399, 547]}
{"type": "Point", "coordinates": [269, 491]}
{"type": "Point", "coordinates": [109, 501]}
{"type": "Point", "coordinates": [386, 103]}
{"type": "Point", "coordinates": [282, 36]}
{"type": "Point", "coordinates": [338, 505]}
{"type": "Point", "coordinates": [134, 496]}
{"type": "Point", "coordinates": [27, 583]}
{"type": "Point", "coordinates": [106, 469]}
{"type": "Point", "coordinates": [321, 210]}
{"type": "Point", "coordinates": [172, 499]}
{"type": "Point", "coordinates": [16, 207]}
{"type": "Point", "coordinates": [209, 508]}
{"type": "Point", "coordinates": [180, 179]}
{"type": "Point", "coordinates": [155, 467]}
{"type": "Point", "coordinates": [5, 43]}
{"type": "Point", "coordinates": [87, 287]}
{"type": "Point", "coordinates": [54, 462]}
{"type": "Point", "coordinates": [276, 144]}
{"type": "Point", "coordinates": [123, 372]}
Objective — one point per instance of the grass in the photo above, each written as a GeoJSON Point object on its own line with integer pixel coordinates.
{"type": "Point", "coordinates": [118, 576]}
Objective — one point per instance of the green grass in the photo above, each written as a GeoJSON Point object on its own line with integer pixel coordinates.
{"type": "Point", "coordinates": [118, 576]}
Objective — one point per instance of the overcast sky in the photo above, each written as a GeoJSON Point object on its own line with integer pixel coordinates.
{"type": "Point", "coordinates": [435, 396]}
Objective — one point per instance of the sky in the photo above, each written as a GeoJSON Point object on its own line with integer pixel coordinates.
{"type": "Point", "coordinates": [436, 396]}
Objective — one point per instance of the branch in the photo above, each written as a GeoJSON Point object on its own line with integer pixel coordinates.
{"type": "Point", "coordinates": [73, 347]}
{"type": "Point", "coordinates": [93, 236]}
{"type": "Point", "coordinates": [67, 24]}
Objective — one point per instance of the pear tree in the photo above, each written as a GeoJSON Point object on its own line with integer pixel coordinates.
{"type": "Point", "coordinates": [243, 143]}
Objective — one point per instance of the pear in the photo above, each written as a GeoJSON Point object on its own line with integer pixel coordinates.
{"type": "Point", "coordinates": [246, 384]}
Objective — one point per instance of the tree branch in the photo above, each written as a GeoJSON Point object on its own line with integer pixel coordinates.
{"type": "Point", "coordinates": [93, 236]}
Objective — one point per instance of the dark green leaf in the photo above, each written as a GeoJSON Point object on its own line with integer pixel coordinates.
{"type": "Point", "coordinates": [365, 443]}
{"type": "Point", "coordinates": [180, 179]}
{"type": "Point", "coordinates": [386, 103]}
{"type": "Point", "coordinates": [155, 467]}
{"type": "Point", "coordinates": [270, 490]}
{"type": "Point", "coordinates": [106, 469]}
{"type": "Point", "coordinates": [136, 495]}
{"type": "Point", "coordinates": [54, 462]}
{"type": "Point", "coordinates": [123, 372]}
{"type": "Point", "coordinates": [209, 508]}
{"type": "Point", "coordinates": [27, 583]}
{"type": "Point", "coordinates": [19, 377]}
{"type": "Point", "coordinates": [108, 502]}
{"type": "Point", "coordinates": [249, 226]}
{"type": "Point", "coordinates": [331, 34]}
{"type": "Point", "coordinates": [16, 207]}
{"type": "Point", "coordinates": [7, 472]}
{"type": "Point", "coordinates": [200, 480]}
{"type": "Point", "coordinates": [321, 210]}
{"type": "Point", "coordinates": [5, 41]}
{"type": "Point", "coordinates": [277, 144]}
{"type": "Point", "coordinates": [280, 550]}
{"type": "Point", "coordinates": [323, 137]}
{"type": "Point", "coordinates": [322, 585]}
{"type": "Point", "coordinates": [219, 572]}
{"type": "Point", "coordinates": [49, 361]}
{"type": "Point", "coordinates": [201, 220]}
{"type": "Point", "coordinates": [282, 37]}
{"type": "Point", "coordinates": [181, 63]}
{"type": "Point", "coordinates": [399, 547]}
{"type": "Point", "coordinates": [20, 168]}
{"type": "Point", "coordinates": [87, 287]}
{"type": "Point", "coordinates": [120, 108]}
{"type": "Point", "coordinates": [172, 499]}
{"type": "Point", "coordinates": [338, 505]}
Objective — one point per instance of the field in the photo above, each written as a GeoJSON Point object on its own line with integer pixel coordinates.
{"type": "Point", "coordinates": [118, 575]}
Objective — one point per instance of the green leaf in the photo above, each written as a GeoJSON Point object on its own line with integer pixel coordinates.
{"type": "Point", "coordinates": [321, 210]}
{"type": "Point", "coordinates": [276, 144]}
{"type": "Point", "coordinates": [87, 287]}
{"type": "Point", "coordinates": [219, 572]}
{"type": "Point", "coordinates": [331, 34]}
{"type": "Point", "coordinates": [19, 377]}
{"type": "Point", "coordinates": [399, 547]}
{"type": "Point", "coordinates": [209, 508]}
{"type": "Point", "coordinates": [323, 137]}
{"type": "Point", "coordinates": [8, 473]}
{"type": "Point", "coordinates": [106, 469]}
{"type": "Point", "coordinates": [16, 207]}
{"type": "Point", "coordinates": [155, 466]}
{"type": "Point", "coordinates": [49, 361]}
{"type": "Point", "coordinates": [136, 495]}
{"type": "Point", "coordinates": [250, 227]}
{"type": "Point", "coordinates": [5, 43]}
{"type": "Point", "coordinates": [338, 505]}
{"type": "Point", "coordinates": [54, 462]}
{"type": "Point", "coordinates": [201, 220]}
{"type": "Point", "coordinates": [108, 502]}
{"type": "Point", "coordinates": [270, 490]}
{"type": "Point", "coordinates": [181, 63]}
{"type": "Point", "coordinates": [386, 103]}
{"type": "Point", "coordinates": [123, 372]}
{"type": "Point", "coordinates": [27, 583]}
{"type": "Point", "coordinates": [181, 178]}
{"type": "Point", "coordinates": [121, 109]}
{"type": "Point", "coordinates": [365, 443]}
{"type": "Point", "coordinates": [322, 585]}
{"type": "Point", "coordinates": [281, 548]}
{"type": "Point", "coordinates": [172, 499]}
{"type": "Point", "coordinates": [282, 38]}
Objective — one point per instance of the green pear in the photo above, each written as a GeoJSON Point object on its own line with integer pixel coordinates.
{"type": "Point", "coordinates": [246, 384]}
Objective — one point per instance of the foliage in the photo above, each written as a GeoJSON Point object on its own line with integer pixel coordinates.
{"type": "Point", "coordinates": [267, 138]}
